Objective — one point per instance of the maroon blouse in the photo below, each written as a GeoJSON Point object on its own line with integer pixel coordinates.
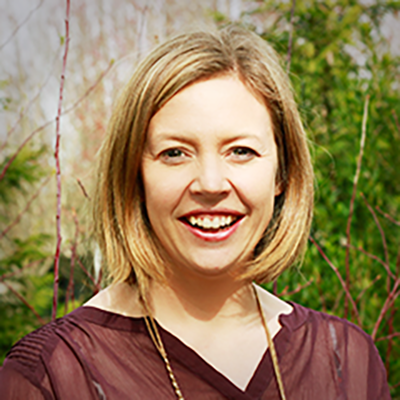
{"type": "Point", "coordinates": [94, 354]}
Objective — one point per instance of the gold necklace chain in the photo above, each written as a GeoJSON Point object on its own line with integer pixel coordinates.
{"type": "Point", "coordinates": [156, 339]}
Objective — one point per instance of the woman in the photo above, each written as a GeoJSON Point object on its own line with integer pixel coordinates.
{"type": "Point", "coordinates": [205, 185]}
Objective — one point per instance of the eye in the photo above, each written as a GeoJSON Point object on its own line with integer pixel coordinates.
{"type": "Point", "coordinates": [172, 153]}
{"type": "Point", "coordinates": [172, 156]}
{"type": "Point", "coordinates": [243, 153]}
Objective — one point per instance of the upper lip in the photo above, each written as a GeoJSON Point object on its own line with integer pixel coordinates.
{"type": "Point", "coordinates": [220, 211]}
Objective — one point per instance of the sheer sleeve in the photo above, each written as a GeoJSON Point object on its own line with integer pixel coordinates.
{"type": "Point", "coordinates": [15, 386]}
{"type": "Point", "coordinates": [363, 373]}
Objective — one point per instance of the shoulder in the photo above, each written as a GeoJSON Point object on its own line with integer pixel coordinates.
{"type": "Point", "coordinates": [119, 298]}
{"type": "Point", "coordinates": [340, 333]}
{"type": "Point", "coordinates": [342, 348]}
{"type": "Point", "coordinates": [25, 368]}
{"type": "Point", "coordinates": [338, 329]}
{"type": "Point", "coordinates": [30, 355]}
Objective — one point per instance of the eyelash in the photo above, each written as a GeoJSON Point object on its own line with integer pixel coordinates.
{"type": "Point", "coordinates": [248, 153]}
{"type": "Point", "coordinates": [241, 153]}
{"type": "Point", "coordinates": [172, 153]}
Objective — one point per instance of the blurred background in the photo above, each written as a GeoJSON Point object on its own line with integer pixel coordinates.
{"type": "Point", "coordinates": [343, 58]}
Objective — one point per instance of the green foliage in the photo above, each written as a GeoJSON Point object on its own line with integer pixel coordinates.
{"type": "Point", "coordinates": [25, 170]}
{"type": "Point", "coordinates": [338, 57]}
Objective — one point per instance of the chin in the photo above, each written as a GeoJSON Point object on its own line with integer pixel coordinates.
{"type": "Point", "coordinates": [213, 270]}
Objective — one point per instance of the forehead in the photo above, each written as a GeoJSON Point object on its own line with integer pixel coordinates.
{"type": "Point", "coordinates": [221, 106]}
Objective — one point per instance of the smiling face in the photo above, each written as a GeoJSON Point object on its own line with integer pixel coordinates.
{"type": "Point", "coordinates": [208, 170]}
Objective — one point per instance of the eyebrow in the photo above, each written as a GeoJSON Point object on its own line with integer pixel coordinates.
{"type": "Point", "coordinates": [188, 139]}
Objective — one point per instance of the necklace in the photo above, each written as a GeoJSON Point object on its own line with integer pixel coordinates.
{"type": "Point", "coordinates": [156, 339]}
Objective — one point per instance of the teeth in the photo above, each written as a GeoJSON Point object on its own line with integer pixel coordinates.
{"type": "Point", "coordinates": [215, 223]}
{"type": "Point", "coordinates": [193, 220]}
{"type": "Point", "coordinates": [211, 223]}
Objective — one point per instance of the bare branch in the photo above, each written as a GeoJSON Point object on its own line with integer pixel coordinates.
{"type": "Point", "coordinates": [387, 216]}
{"type": "Point", "coordinates": [26, 109]}
{"type": "Point", "coordinates": [46, 124]}
{"type": "Point", "coordinates": [389, 301]}
{"type": "Point", "coordinates": [8, 275]}
{"type": "Point", "coordinates": [14, 32]}
{"type": "Point", "coordinates": [361, 294]}
{"type": "Point", "coordinates": [289, 54]}
{"type": "Point", "coordinates": [297, 290]}
{"type": "Point", "coordinates": [22, 298]}
{"type": "Point", "coordinates": [343, 283]}
{"type": "Point", "coordinates": [28, 204]}
{"type": "Point", "coordinates": [374, 257]}
{"type": "Point", "coordinates": [353, 196]}
{"type": "Point", "coordinates": [388, 337]}
{"type": "Point", "coordinates": [88, 274]}
{"type": "Point", "coordinates": [90, 89]}
{"type": "Point", "coordinates": [83, 189]}
{"type": "Point", "coordinates": [58, 169]}
{"type": "Point", "coordinates": [382, 233]}
{"type": "Point", "coordinates": [21, 146]}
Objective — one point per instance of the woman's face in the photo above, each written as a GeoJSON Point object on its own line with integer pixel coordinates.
{"type": "Point", "coordinates": [209, 170]}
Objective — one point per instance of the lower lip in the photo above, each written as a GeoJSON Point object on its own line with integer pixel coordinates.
{"type": "Point", "coordinates": [214, 236]}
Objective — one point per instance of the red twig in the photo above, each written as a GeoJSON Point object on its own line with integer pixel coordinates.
{"type": "Point", "coordinates": [353, 197]}
{"type": "Point", "coordinates": [382, 233]}
{"type": "Point", "coordinates": [389, 301]}
{"type": "Point", "coordinates": [91, 88]}
{"type": "Point", "coordinates": [290, 42]}
{"type": "Point", "coordinates": [21, 146]}
{"type": "Point", "coordinates": [374, 257]}
{"type": "Point", "coordinates": [387, 216]}
{"type": "Point", "coordinates": [297, 290]}
{"type": "Point", "coordinates": [275, 287]}
{"type": "Point", "coordinates": [389, 275]}
{"type": "Point", "coordinates": [28, 204]}
{"type": "Point", "coordinates": [21, 25]}
{"type": "Point", "coordinates": [46, 124]}
{"type": "Point", "coordinates": [26, 109]}
{"type": "Point", "coordinates": [88, 274]}
{"type": "Point", "coordinates": [85, 193]}
{"type": "Point", "coordinates": [388, 337]}
{"type": "Point", "coordinates": [8, 275]}
{"type": "Point", "coordinates": [343, 283]}
{"type": "Point", "coordinates": [367, 287]}
{"type": "Point", "coordinates": [98, 283]}
{"type": "Point", "coordinates": [58, 169]}
{"type": "Point", "coordinates": [22, 298]}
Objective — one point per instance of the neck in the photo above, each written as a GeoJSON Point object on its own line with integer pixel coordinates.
{"type": "Point", "coordinates": [202, 299]}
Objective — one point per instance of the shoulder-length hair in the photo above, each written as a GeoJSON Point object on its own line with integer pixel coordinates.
{"type": "Point", "coordinates": [129, 246]}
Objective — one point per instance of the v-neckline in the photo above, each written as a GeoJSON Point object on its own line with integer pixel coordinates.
{"type": "Point", "coordinates": [179, 352]}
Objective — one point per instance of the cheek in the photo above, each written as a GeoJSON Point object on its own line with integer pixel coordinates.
{"type": "Point", "coordinates": [163, 190]}
{"type": "Point", "coordinates": [256, 187]}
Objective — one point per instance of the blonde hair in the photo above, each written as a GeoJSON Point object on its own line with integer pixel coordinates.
{"type": "Point", "coordinates": [129, 246]}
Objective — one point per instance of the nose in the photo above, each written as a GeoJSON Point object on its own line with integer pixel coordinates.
{"type": "Point", "coordinates": [210, 179]}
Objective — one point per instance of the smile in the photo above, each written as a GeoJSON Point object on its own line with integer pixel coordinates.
{"type": "Point", "coordinates": [212, 228]}
{"type": "Point", "coordinates": [212, 222]}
